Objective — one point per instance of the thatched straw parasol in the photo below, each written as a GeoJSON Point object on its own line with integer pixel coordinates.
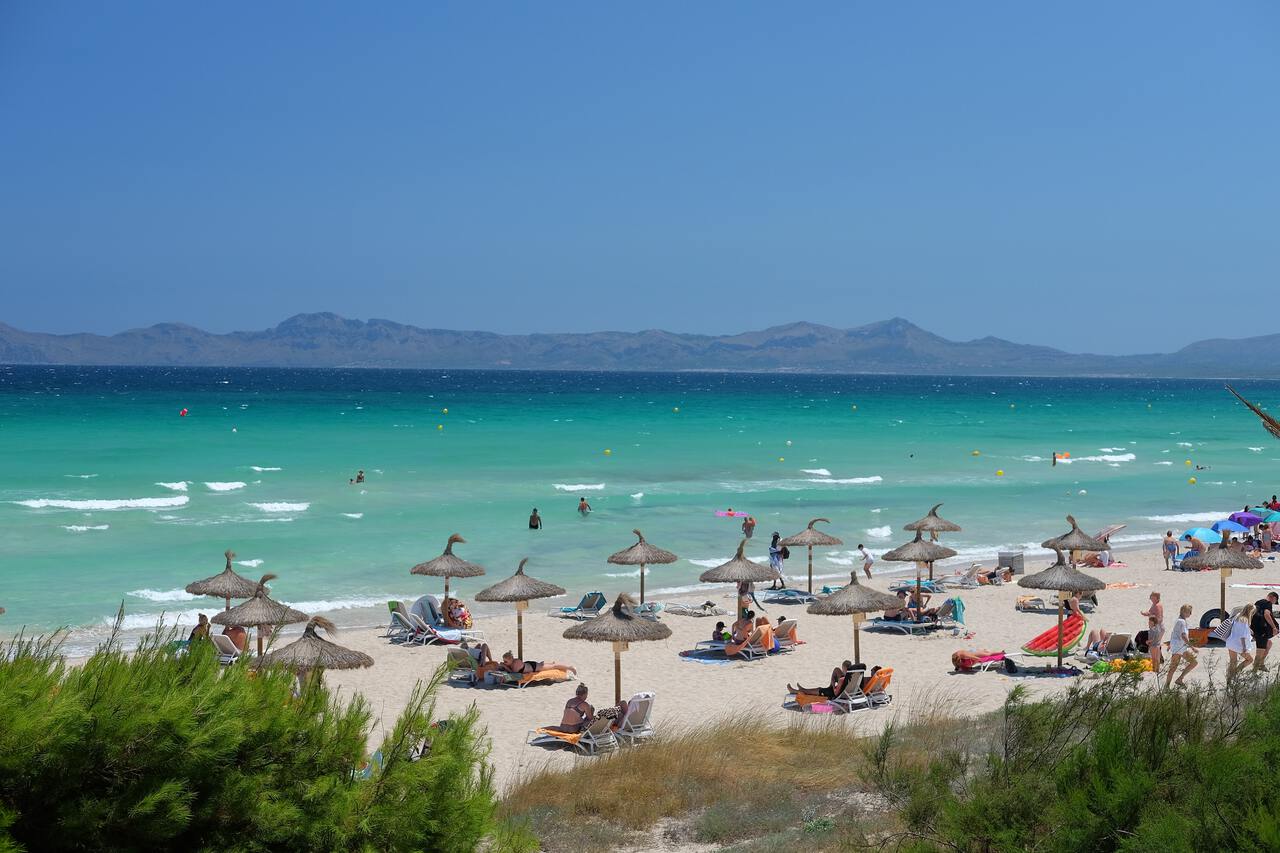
{"type": "Point", "coordinates": [918, 551]}
{"type": "Point", "coordinates": [447, 565]}
{"type": "Point", "coordinates": [225, 584]}
{"type": "Point", "coordinates": [933, 524]}
{"type": "Point", "coordinates": [620, 626]}
{"type": "Point", "coordinates": [808, 538]}
{"type": "Point", "coordinates": [312, 653]}
{"type": "Point", "coordinates": [854, 600]}
{"type": "Point", "coordinates": [519, 588]}
{"type": "Point", "coordinates": [1074, 540]}
{"type": "Point", "coordinates": [260, 611]}
{"type": "Point", "coordinates": [738, 569]}
{"type": "Point", "coordinates": [1065, 578]}
{"type": "Point", "coordinates": [642, 554]}
{"type": "Point", "coordinates": [1225, 561]}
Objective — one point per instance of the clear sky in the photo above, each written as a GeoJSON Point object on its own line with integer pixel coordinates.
{"type": "Point", "coordinates": [979, 168]}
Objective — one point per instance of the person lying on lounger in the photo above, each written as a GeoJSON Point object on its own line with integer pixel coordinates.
{"type": "Point", "coordinates": [835, 687]}
{"type": "Point", "coordinates": [967, 659]}
{"type": "Point", "coordinates": [515, 666]}
{"type": "Point", "coordinates": [483, 657]}
{"type": "Point", "coordinates": [578, 713]}
{"type": "Point", "coordinates": [1097, 641]}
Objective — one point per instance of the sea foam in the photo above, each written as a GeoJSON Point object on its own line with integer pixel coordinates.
{"type": "Point", "coordinates": [224, 487]}
{"type": "Point", "coordinates": [281, 506]}
{"type": "Point", "coordinates": [164, 595]}
{"type": "Point", "coordinates": [261, 468]}
{"type": "Point", "coordinates": [1188, 517]}
{"type": "Point", "coordinates": [355, 515]}
{"type": "Point", "coordinates": [125, 503]}
{"type": "Point", "coordinates": [880, 532]}
{"type": "Point", "coordinates": [817, 472]}
{"type": "Point", "coordinates": [847, 481]}
{"type": "Point", "coordinates": [179, 486]}
{"type": "Point", "coordinates": [579, 487]}
{"type": "Point", "coordinates": [81, 528]}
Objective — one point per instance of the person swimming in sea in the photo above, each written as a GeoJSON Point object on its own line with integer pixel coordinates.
{"type": "Point", "coordinates": [360, 476]}
{"type": "Point", "coordinates": [535, 520]}
{"type": "Point", "coordinates": [583, 507]}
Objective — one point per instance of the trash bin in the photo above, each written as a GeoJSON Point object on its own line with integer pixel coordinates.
{"type": "Point", "coordinates": [1011, 560]}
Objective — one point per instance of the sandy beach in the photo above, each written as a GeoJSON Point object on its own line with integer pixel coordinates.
{"type": "Point", "coordinates": [690, 693]}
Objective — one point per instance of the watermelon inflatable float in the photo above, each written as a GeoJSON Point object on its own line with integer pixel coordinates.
{"type": "Point", "coordinates": [1046, 644]}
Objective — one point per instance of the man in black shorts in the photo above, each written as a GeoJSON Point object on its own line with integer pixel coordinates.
{"type": "Point", "coordinates": [1264, 628]}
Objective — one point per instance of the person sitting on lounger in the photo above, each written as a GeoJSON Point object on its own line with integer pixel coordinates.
{"type": "Point", "coordinates": [578, 713]}
{"type": "Point", "coordinates": [839, 676]}
{"type": "Point", "coordinates": [720, 634]}
{"type": "Point", "coordinates": [902, 612]}
{"type": "Point", "coordinates": [480, 653]}
{"type": "Point", "coordinates": [919, 605]}
{"type": "Point", "coordinates": [1097, 641]}
{"type": "Point", "coordinates": [456, 614]}
{"type": "Point", "coordinates": [515, 666]}
{"type": "Point", "coordinates": [786, 629]}
{"type": "Point", "coordinates": [237, 635]}
{"type": "Point", "coordinates": [995, 576]}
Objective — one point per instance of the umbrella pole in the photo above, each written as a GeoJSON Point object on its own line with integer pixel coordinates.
{"type": "Point", "coordinates": [259, 641]}
{"type": "Point", "coordinates": [1060, 594]}
{"type": "Point", "coordinates": [857, 652]}
{"type": "Point", "coordinates": [446, 590]}
{"type": "Point", "coordinates": [919, 598]}
{"type": "Point", "coordinates": [520, 608]}
{"type": "Point", "coordinates": [1224, 573]}
{"type": "Point", "coordinates": [228, 607]}
{"type": "Point", "coordinates": [642, 583]}
{"type": "Point", "coordinates": [618, 648]}
{"type": "Point", "coordinates": [810, 569]}
{"type": "Point", "coordinates": [930, 565]}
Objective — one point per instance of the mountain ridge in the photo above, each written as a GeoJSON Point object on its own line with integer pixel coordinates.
{"type": "Point", "coordinates": [895, 345]}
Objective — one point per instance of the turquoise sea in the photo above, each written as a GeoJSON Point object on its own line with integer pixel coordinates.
{"type": "Point", "coordinates": [109, 495]}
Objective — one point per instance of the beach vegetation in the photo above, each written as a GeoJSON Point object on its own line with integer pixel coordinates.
{"type": "Point", "coordinates": [1111, 764]}
{"type": "Point", "coordinates": [156, 750]}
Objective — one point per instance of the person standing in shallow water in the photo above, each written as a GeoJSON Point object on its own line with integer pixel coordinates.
{"type": "Point", "coordinates": [583, 507]}
{"type": "Point", "coordinates": [748, 527]}
{"type": "Point", "coordinates": [535, 520]}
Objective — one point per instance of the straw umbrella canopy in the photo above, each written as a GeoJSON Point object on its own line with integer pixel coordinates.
{"type": "Point", "coordinates": [313, 653]}
{"type": "Point", "coordinates": [621, 626]}
{"type": "Point", "coordinates": [854, 600]}
{"type": "Point", "coordinates": [260, 611]}
{"type": "Point", "coordinates": [225, 584]}
{"type": "Point", "coordinates": [642, 554]}
{"type": "Point", "coordinates": [933, 524]}
{"type": "Point", "coordinates": [808, 538]}
{"type": "Point", "coordinates": [1065, 578]}
{"type": "Point", "coordinates": [738, 569]}
{"type": "Point", "coordinates": [1074, 540]}
{"type": "Point", "coordinates": [1225, 561]}
{"type": "Point", "coordinates": [519, 588]}
{"type": "Point", "coordinates": [448, 565]}
{"type": "Point", "coordinates": [918, 551]}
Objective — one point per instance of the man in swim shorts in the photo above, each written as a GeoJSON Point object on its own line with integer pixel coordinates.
{"type": "Point", "coordinates": [535, 520]}
{"type": "Point", "coordinates": [583, 507]}
{"type": "Point", "coordinates": [1264, 628]}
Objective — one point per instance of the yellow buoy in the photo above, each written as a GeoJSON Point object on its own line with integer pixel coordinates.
{"type": "Point", "coordinates": [975, 453]}
{"type": "Point", "coordinates": [788, 442]}
{"type": "Point", "coordinates": [1188, 463]}
{"type": "Point", "coordinates": [782, 459]}
{"type": "Point", "coordinates": [439, 426]}
{"type": "Point", "coordinates": [1192, 481]}
{"type": "Point", "coordinates": [608, 452]}
{"type": "Point", "coordinates": [1000, 473]}
{"type": "Point", "coordinates": [676, 409]}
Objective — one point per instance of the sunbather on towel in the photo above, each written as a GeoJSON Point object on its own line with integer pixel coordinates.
{"type": "Point", "coordinates": [839, 676]}
{"type": "Point", "coordinates": [578, 713]}
{"type": "Point", "coordinates": [515, 666]}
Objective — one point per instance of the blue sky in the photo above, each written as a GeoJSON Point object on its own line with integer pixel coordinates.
{"type": "Point", "coordinates": [711, 167]}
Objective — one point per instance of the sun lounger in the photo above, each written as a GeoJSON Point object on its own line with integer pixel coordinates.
{"type": "Point", "coordinates": [597, 737]}
{"type": "Point", "coordinates": [788, 596]}
{"type": "Point", "coordinates": [1029, 603]}
{"type": "Point", "coordinates": [635, 724]}
{"type": "Point", "coordinates": [227, 651]}
{"type": "Point", "coordinates": [1117, 646]}
{"type": "Point", "coordinates": [707, 608]}
{"type": "Point", "coordinates": [830, 590]}
{"type": "Point", "coordinates": [590, 606]}
{"type": "Point", "coordinates": [1178, 558]}
{"type": "Point", "coordinates": [876, 695]}
{"type": "Point", "coordinates": [907, 585]}
{"type": "Point", "coordinates": [463, 665]}
{"type": "Point", "coordinates": [649, 610]}
{"type": "Point", "coordinates": [784, 633]}
{"type": "Point", "coordinates": [981, 664]}
{"type": "Point", "coordinates": [401, 630]}
{"type": "Point", "coordinates": [967, 580]}
{"type": "Point", "coordinates": [1087, 605]}
{"type": "Point", "coordinates": [944, 619]}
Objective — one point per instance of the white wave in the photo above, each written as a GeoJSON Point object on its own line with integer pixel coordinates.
{"type": "Point", "coordinates": [282, 506]}
{"type": "Point", "coordinates": [696, 587]}
{"type": "Point", "coordinates": [1108, 457]}
{"type": "Point", "coordinates": [250, 564]}
{"type": "Point", "coordinates": [264, 520]}
{"type": "Point", "coordinates": [634, 574]}
{"type": "Point", "coordinates": [1111, 449]}
{"type": "Point", "coordinates": [179, 486]}
{"type": "Point", "coordinates": [638, 495]}
{"type": "Point", "coordinates": [711, 564]}
{"type": "Point", "coordinates": [81, 528]}
{"type": "Point", "coordinates": [1166, 462]}
{"type": "Point", "coordinates": [817, 472]}
{"type": "Point", "coordinates": [880, 532]}
{"type": "Point", "coordinates": [1184, 444]}
{"type": "Point", "coordinates": [1187, 517]}
{"type": "Point", "coordinates": [878, 510]}
{"type": "Point", "coordinates": [356, 515]}
{"type": "Point", "coordinates": [579, 487]}
{"type": "Point", "coordinates": [80, 476]}
{"type": "Point", "coordinates": [225, 487]}
{"type": "Point", "coordinates": [1032, 458]}
{"type": "Point", "coordinates": [148, 621]}
{"type": "Point", "coordinates": [847, 481]}
{"type": "Point", "coordinates": [261, 468]}
{"type": "Point", "coordinates": [840, 561]}
{"type": "Point", "coordinates": [329, 605]}
{"type": "Point", "coordinates": [164, 594]}
{"type": "Point", "coordinates": [1256, 449]}
{"type": "Point", "coordinates": [125, 503]}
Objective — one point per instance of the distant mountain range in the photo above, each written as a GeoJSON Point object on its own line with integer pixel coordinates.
{"type": "Point", "coordinates": [891, 346]}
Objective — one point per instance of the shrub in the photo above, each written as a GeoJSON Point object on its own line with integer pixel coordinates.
{"type": "Point", "coordinates": [155, 750]}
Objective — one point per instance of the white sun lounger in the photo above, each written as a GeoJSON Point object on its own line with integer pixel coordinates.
{"type": "Point", "coordinates": [227, 651]}
{"type": "Point", "coordinates": [635, 725]}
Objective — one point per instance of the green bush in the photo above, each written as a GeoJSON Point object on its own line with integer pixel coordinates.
{"type": "Point", "coordinates": [152, 750]}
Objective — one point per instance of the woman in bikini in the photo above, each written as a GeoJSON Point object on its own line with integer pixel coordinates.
{"type": "Point", "coordinates": [515, 666]}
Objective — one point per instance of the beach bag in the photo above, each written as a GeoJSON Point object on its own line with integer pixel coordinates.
{"type": "Point", "coordinates": [1224, 629]}
{"type": "Point", "coordinates": [1009, 666]}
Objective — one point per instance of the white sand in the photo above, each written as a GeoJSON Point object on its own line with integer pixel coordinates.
{"type": "Point", "coordinates": [690, 693]}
